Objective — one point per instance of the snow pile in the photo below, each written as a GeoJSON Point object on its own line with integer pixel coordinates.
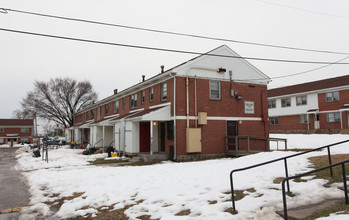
{"type": "Point", "coordinates": [4, 145]}
{"type": "Point", "coordinates": [58, 158]}
{"type": "Point", "coordinates": [163, 190]}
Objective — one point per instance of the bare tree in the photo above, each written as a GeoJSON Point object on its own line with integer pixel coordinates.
{"type": "Point", "coordinates": [58, 100]}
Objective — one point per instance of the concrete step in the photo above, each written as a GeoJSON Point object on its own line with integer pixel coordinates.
{"type": "Point", "coordinates": [305, 211]}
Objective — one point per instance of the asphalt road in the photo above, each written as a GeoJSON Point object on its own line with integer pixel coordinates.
{"type": "Point", "coordinates": [13, 190]}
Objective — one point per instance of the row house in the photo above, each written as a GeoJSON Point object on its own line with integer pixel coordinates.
{"type": "Point", "coordinates": [308, 107]}
{"type": "Point", "coordinates": [15, 131]}
{"type": "Point", "coordinates": [184, 112]}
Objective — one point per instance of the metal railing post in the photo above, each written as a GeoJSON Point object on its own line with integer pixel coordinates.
{"type": "Point", "coordinates": [286, 172]}
{"type": "Point", "coordinates": [284, 199]}
{"type": "Point", "coordinates": [329, 159]}
{"type": "Point", "coordinates": [345, 183]}
{"type": "Point", "coordinates": [232, 191]}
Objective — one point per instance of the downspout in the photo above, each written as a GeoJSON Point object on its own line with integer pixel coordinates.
{"type": "Point", "coordinates": [196, 105]}
{"type": "Point", "coordinates": [187, 90]}
{"type": "Point", "coordinates": [174, 118]}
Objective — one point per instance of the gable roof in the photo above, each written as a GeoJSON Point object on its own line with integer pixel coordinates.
{"type": "Point", "coordinates": [16, 122]}
{"type": "Point", "coordinates": [310, 86]}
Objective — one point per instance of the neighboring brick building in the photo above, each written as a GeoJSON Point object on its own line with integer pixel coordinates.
{"type": "Point", "coordinates": [15, 131]}
{"type": "Point", "coordinates": [186, 111]}
{"type": "Point", "coordinates": [319, 105]}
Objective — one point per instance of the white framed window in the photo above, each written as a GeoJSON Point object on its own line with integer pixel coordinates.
{"type": "Point", "coordinates": [92, 114]}
{"type": "Point", "coordinates": [272, 103]}
{"type": "Point", "coordinates": [1, 140]}
{"type": "Point", "coordinates": [274, 120]}
{"type": "Point", "coordinates": [87, 115]}
{"type": "Point", "coordinates": [302, 119]}
{"type": "Point", "coordinates": [116, 106]}
{"type": "Point", "coordinates": [106, 109]}
{"type": "Point", "coordinates": [301, 100]}
{"type": "Point", "coordinates": [133, 100]}
{"type": "Point", "coordinates": [151, 93]}
{"type": "Point", "coordinates": [143, 96]}
{"type": "Point", "coordinates": [24, 140]}
{"type": "Point", "coordinates": [24, 130]}
{"type": "Point", "coordinates": [215, 89]}
{"type": "Point", "coordinates": [163, 91]}
{"type": "Point", "coordinates": [123, 102]}
{"type": "Point", "coordinates": [286, 102]}
{"type": "Point", "coordinates": [332, 96]}
{"type": "Point", "coordinates": [1, 130]}
{"type": "Point", "coordinates": [333, 117]}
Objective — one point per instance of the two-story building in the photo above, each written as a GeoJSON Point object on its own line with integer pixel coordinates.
{"type": "Point", "coordinates": [319, 105]}
{"type": "Point", "coordinates": [185, 112]}
{"type": "Point", "coordinates": [15, 131]}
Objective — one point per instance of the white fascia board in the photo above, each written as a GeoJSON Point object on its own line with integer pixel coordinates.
{"type": "Point", "coordinates": [219, 118]}
{"type": "Point", "coordinates": [310, 92]}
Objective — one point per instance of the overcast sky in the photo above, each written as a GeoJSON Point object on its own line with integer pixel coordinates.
{"type": "Point", "coordinates": [312, 24]}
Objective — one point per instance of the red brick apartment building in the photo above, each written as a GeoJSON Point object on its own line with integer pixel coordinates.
{"type": "Point", "coordinates": [315, 106]}
{"type": "Point", "coordinates": [15, 131]}
{"type": "Point", "coordinates": [186, 111]}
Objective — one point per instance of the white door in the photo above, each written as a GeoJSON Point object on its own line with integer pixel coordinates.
{"type": "Point", "coordinates": [316, 121]}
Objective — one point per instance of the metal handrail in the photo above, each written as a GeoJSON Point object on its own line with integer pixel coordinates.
{"type": "Point", "coordinates": [314, 171]}
{"type": "Point", "coordinates": [111, 143]}
{"type": "Point", "coordinates": [285, 163]}
{"type": "Point", "coordinates": [97, 142]}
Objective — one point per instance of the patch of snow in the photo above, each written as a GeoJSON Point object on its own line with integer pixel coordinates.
{"type": "Point", "coordinates": [163, 190]}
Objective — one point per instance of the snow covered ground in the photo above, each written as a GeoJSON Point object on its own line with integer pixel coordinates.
{"type": "Point", "coordinates": [163, 190]}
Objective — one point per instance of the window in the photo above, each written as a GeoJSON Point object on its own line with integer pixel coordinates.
{"type": "Point", "coordinates": [24, 140]}
{"type": "Point", "coordinates": [163, 91]}
{"type": "Point", "coordinates": [87, 116]}
{"type": "Point", "coordinates": [215, 89]}
{"type": "Point", "coordinates": [116, 106]}
{"type": "Point", "coordinates": [80, 117]}
{"type": "Point", "coordinates": [151, 93]}
{"type": "Point", "coordinates": [272, 104]}
{"type": "Point", "coordinates": [92, 114]}
{"type": "Point", "coordinates": [333, 117]}
{"type": "Point", "coordinates": [106, 109]}
{"type": "Point", "coordinates": [301, 100]}
{"type": "Point", "coordinates": [24, 130]}
{"type": "Point", "coordinates": [143, 96]}
{"type": "Point", "coordinates": [302, 119]}
{"type": "Point", "coordinates": [274, 120]}
{"type": "Point", "coordinates": [100, 110]}
{"type": "Point", "coordinates": [332, 96]}
{"type": "Point", "coordinates": [286, 102]}
{"type": "Point", "coordinates": [1, 140]}
{"type": "Point", "coordinates": [123, 103]}
{"type": "Point", "coordinates": [1, 130]}
{"type": "Point", "coordinates": [133, 100]}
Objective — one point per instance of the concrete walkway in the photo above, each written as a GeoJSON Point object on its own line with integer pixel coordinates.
{"type": "Point", "coordinates": [13, 191]}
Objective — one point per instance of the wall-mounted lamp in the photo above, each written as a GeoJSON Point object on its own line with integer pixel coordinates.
{"type": "Point", "coordinates": [239, 97]}
{"type": "Point", "coordinates": [154, 123]}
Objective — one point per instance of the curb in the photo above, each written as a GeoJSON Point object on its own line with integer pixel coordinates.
{"type": "Point", "coordinates": [17, 209]}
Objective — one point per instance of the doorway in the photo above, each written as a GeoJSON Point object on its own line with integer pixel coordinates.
{"type": "Point", "coordinates": [232, 130]}
{"type": "Point", "coordinates": [162, 136]}
{"type": "Point", "coordinates": [144, 136]}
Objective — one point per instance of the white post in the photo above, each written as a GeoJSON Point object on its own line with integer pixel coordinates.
{"type": "Point", "coordinates": [103, 140]}
{"type": "Point", "coordinates": [151, 137]}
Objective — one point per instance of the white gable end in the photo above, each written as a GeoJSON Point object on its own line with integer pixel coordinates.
{"type": "Point", "coordinates": [206, 66]}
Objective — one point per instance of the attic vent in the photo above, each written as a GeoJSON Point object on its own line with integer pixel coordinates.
{"type": "Point", "coordinates": [221, 70]}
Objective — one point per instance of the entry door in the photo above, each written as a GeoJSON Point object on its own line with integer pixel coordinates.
{"type": "Point", "coordinates": [232, 130]}
{"type": "Point", "coordinates": [9, 141]}
{"type": "Point", "coordinates": [316, 121]}
{"type": "Point", "coordinates": [144, 137]}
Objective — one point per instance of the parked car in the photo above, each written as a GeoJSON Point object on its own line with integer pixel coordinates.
{"type": "Point", "coordinates": [51, 141]}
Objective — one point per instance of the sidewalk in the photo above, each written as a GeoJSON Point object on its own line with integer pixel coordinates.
{"type": "Point", "coordinates": [13, 191]}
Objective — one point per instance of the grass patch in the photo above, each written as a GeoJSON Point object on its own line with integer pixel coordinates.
{"type": "Point", "coordinates": [342, 208]}
{"type": "Point", "coordinates": [278, 180]}
{"type": "Point", "coordinates": [212, 202]}
{"type": "Point", "coordinates": [183, 212]}
{"type": "Point", "coordinates": [102, 161]}
{"type": "Point", "coordinates": [299, 180]}
{"type": "Point", "coordinates": [322, 161]}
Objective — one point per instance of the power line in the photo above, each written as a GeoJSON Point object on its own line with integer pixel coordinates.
{"type": "Point", "coordinates": [173, 33]}
{"type": "Point", "coordinates": [165, 50]}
